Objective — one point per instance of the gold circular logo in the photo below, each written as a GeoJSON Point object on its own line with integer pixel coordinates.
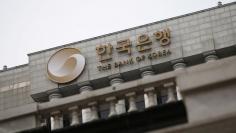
{"type": "Point", "coordinates": [65, 65]}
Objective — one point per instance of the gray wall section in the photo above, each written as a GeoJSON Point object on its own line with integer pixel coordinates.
{"type": "Point", "coordinates": [14, 75]}
{"type": "Point", "coordinates": [190, 34]}
{"type": "Point", "coordinates": [15, 87]}
{"type": "Point", "coordinates": [18, 124]}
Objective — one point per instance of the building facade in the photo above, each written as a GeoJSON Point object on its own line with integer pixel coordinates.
{"type": "Point", "coordinates": [185, 63]}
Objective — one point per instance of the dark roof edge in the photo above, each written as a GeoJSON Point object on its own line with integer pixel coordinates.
{"type": "Point", "coordinates": [14, 67]}
{"type": "Point", "coordinates": [136, 27]}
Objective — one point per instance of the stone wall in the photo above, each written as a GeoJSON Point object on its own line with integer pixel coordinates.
{"type": "Point", "coordinates": [15, 87]}
{"type": "Point", "coordinates": [191, 34]}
